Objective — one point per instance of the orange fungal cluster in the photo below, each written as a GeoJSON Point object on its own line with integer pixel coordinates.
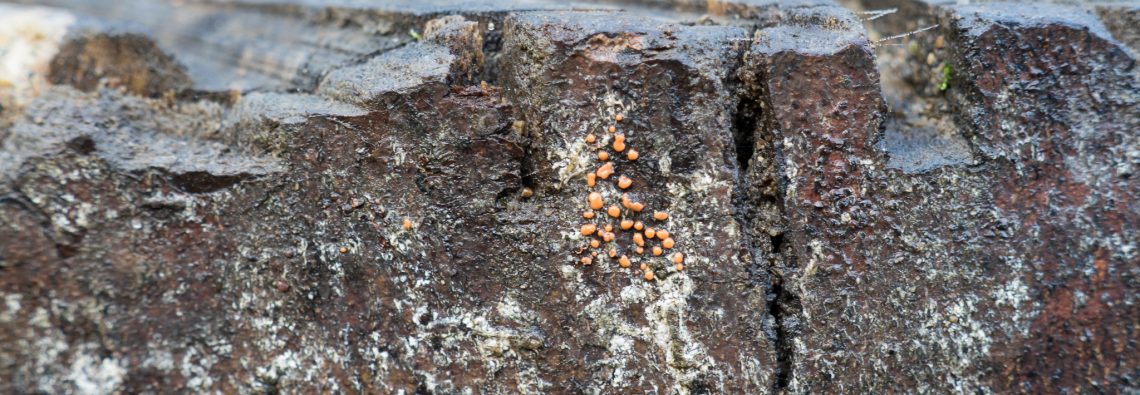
{"type": "Point", "coordinates": [628, 214]}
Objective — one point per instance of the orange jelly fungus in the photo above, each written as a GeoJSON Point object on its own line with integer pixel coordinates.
{"type": "Point", "coordinates": [588, 229]}
{"type": "Point", "coordinates": [595, 200]}
{"type": "Point", "coordinates": [624, 182]}
{"type": "Point", "coordinates": [614, 211]}
{"type": "Point", "coordinates": [605, 171]}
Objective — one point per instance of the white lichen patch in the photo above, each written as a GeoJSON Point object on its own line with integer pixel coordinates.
{"type": "Point", "coordinates": [29, 39]}
{"type": "Point", "coordinates": [11, 307]}
{"type": "Point", "coordinates": [92, 374]}
{"type": "Point", "coordinates": [956, 332]}
{"type": "Point", "coordinates": [685, 357]}
{"type": "Point", "coordinates": [634, 293]}
{"type": "Point", "coordinates": [572, 161]}
{"type": "Point", "coordinates": [56, 366]}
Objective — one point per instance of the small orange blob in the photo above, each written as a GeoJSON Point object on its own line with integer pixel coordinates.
{"type": "Point", "coordinates": [407, 224]}
{"type": "Point", "coordinates": [662, 234]}
{"type": "Point", "coordinates": [650, 233]}
{"type": "Point", "coordinates": [643, 266]}
{"type": "Point", "coordinates": [608, 237]}
{"type": "Point", "coordinates": [638, 225]}
{"type": "Point", "coordinates": [344, 250]}
{"type": "Point", "coordinates": [679, 266]}
{"type": "Point", "coordinates": [625, 202]}
{"type": "Point", "coordinates": [618, 118]}
{"type": "Point", "coordinates": [588, 215]}
{"type": "Point", "coordinates": [637, 207]}
{"type": "Point", "coordinates": [612, 128]}
{"type": "Point", "coordinates": [667, 243]}
{"type": "Point", "coordinates": [619, 145]}
{"type": "Point", "coordinates": [603, 156]}
{"type": "Point", "coordinates": [588, 229]}
{"type": "Point", "coordinates": [613, 252]}
{"type": "Point", "coordinates": [623, 261]}
{"type": "Point", "coordinates": [590, 138]}
{"type": "Point", "coordinates": [595, 243]}
{"type": "Point", "coordinates": [587, 260]}
{"type": "Point", "coordinates": [591, 179]}
{"type": "Point", "coordinates": [527, 192]}
{"type": "Point", "coordinates": [595, 200]}
{"type": "Point", "coordinates": [657, 251]}
{"type": "Point", "coordinates": [637, 239]}
{"type": "Point", "coordinates": [678, 257]}
{"type": "Point", "coordinates": [660, 215]}
{"type": "Point", "coordinates": [614, 211]}
{"type": "Point", "coordinates": [624, 182]}
{"type": "Point", "coordinates": [619, 137]}
{"type": "Point", "coordinates": [609, 228]}
{"type": "Point", "coordinates": [640, 250]}
{"type": "Point", "coordinates": [626, 224]}
{"type": "Point", "coordinates": [648, 275]}
{"type": "Point", "coordinates": [605, 171]}
{"type": "Point", "coordinates": [632, 154]}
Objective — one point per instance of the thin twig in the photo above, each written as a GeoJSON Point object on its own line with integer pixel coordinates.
{"type": "Point", "coordinates": [898, 36]}
{"type": "Point", "coordinates": [876, 14]}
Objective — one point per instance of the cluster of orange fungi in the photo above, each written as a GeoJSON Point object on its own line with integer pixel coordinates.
{"type": "Point", "coordinates": [626, 217]}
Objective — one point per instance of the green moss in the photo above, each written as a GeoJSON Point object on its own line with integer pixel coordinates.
{"type": "Point", "coordinates": [944, 83]}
